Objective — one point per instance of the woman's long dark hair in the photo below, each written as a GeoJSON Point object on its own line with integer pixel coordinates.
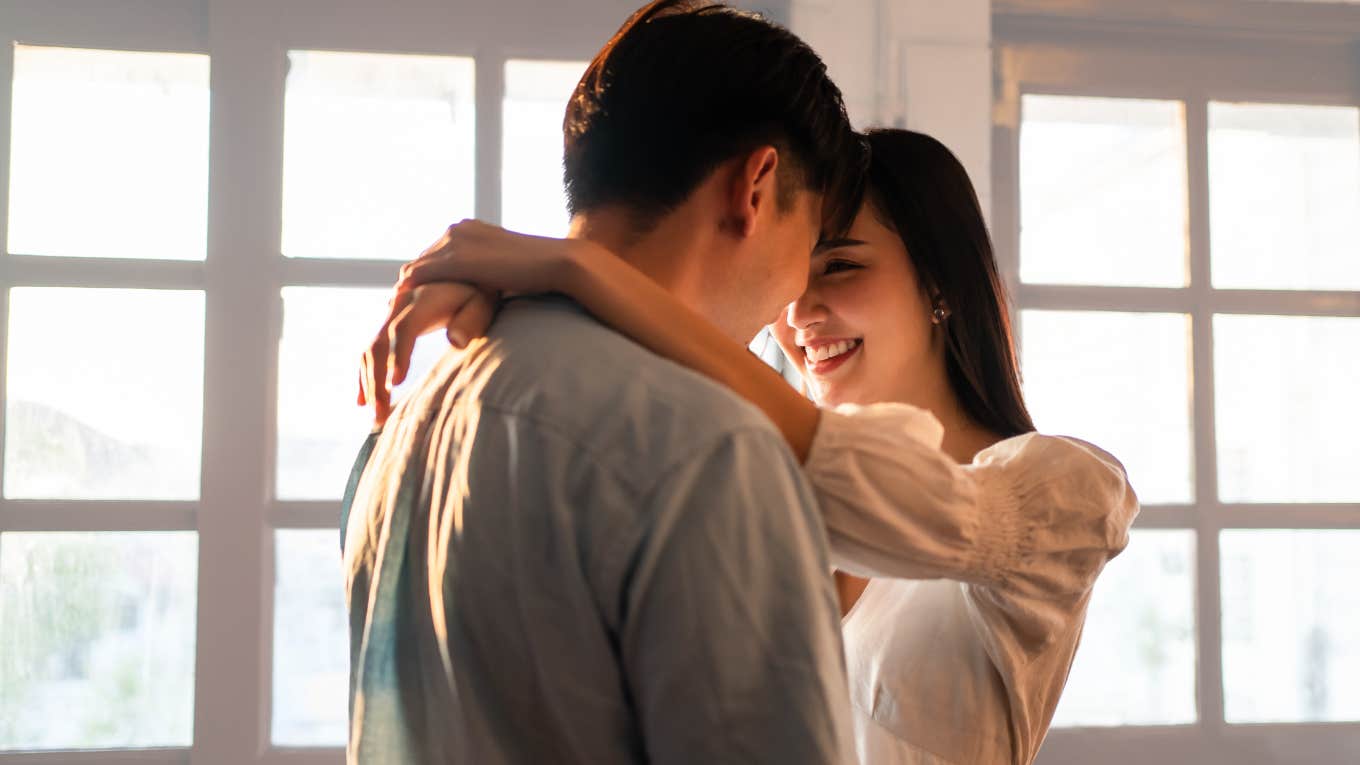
{"type": "Point", "coordinates": [921, 190]}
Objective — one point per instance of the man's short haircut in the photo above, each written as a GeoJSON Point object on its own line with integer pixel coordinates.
{"type": "Point", "coordinates": [684, 86]}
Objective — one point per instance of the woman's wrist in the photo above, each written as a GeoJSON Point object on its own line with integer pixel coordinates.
{"type": "Point", "coordinates": [579, 266]}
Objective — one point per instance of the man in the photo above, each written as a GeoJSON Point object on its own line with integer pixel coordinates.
{"type": "Point", "coordinates": [564, 549]}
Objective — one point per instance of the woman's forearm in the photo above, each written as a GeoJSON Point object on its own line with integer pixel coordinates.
{"type": "Point", "coordinates": [626, 299]}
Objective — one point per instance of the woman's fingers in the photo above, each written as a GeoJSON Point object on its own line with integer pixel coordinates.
{"type": "Point", "coordinates": [492, 258]}
{"type": "Point", "coordinates": [449, 234]}
{"type": "Point", "coordinates": [370, 391]}
{"type": "Point", "coordinates": [373, 365]}
{"type": "Point", "coordinates": [462, 234]}
{"type": "Point", "coordinates": [429, 308]}
{"type": "Point", "coordinates": [428, 295]}
{"type": "Point", "coordinates": [472, 320]}
{"type": "Point", "coordinates": [429, 270]}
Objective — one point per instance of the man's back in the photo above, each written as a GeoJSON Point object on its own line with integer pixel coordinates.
{"type": "Point", "coordinates": [564, 549]}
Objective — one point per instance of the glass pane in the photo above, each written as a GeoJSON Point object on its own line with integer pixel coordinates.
{"type": "Point", "coordinates": [536, 95]}
{"type": "Point", "coordinates": [1136, 663]}
{"type": "Point", "coordinates": [320, 428]}
{"type": "Point", "coordinates": [1102, 192]}
{"type": "Point", "coordinates": [767, 349]}
{"type": "Point", "coordinates": [1284, 187]}
{"type": "Point", "coordinates": [311, 640]}
{"type": "Point", "coordinates": [98, 630]}
{"type": "Point", "coordinates": [1120, 381]}
{"type": "Point", "coordinates": [378, 153]}
{"type": "Point", "coordinates": [1286, 408]}
{"type": "Point", "coordinates": [1291, 613]}
{"type": "Point", "coordinates": [105, 396]}
{"type": "Point", "coordinates": [109, 154]}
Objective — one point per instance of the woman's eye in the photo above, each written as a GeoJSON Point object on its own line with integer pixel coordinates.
{"type": "Point", "coordinates": [835, 266]}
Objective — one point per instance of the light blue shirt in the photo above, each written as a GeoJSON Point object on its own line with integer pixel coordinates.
{"type": "Point", "coordinates": [565, 549]}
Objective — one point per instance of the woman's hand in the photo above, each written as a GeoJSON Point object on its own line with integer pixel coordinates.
{"type": "Point", "coordinates": [453, 286]}
{"type": "Point", "coordinates": [497, 260]}
{"type": "Point", "coordinates": [462, 310]}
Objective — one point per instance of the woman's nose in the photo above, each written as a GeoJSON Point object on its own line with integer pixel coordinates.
{"type": "Point", "coordinates": [806, 312]}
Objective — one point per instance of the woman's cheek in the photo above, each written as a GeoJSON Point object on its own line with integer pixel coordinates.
{"type": "Point", "coordinates": [850, 303]}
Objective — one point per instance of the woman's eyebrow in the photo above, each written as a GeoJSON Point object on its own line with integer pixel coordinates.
{"type": "Point", "coordinates": [835, 244]}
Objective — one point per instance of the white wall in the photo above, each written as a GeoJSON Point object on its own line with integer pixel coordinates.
{"type": "Point", "coordinates": [920, 64]}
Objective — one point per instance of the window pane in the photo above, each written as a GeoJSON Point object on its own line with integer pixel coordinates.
{"type": "Point", "coordinates": [1136, 663]}
{"type": "Point", "coordinates": [98, 635]}
{"type": "Point", "coordinates": [109, 154]}
{"type": "Point", "coordinates": [1291, 613]}
{"type": "Point", "coordinates": [767, 348]}
{"type": "Point", "coordinates": [536, 95]}
{"type": "Point", "coordinates": [378, 153]}
{"type": "Point", "coordinates": [1102, 192]}
{"type": "Point", "coordinates": [1120, 381]}
{"type": "Point", "coordinates": [1286, 408]}
{"type": "Point", "coordinates": [105, 396]}
{"type": "Point", "coordinates": [1284, 185]}
{"type": "Point", "coordinates": [311, 640]}
{"type": "Point", "coordinates": [319, 427]}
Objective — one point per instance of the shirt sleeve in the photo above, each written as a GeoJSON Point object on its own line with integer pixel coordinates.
{"type": "Point", "coordinates": [731, 640]}
{"type": "Point", "coordinates": [352, 486]}
{"type": "Point", "coordinates": [1035, 515]}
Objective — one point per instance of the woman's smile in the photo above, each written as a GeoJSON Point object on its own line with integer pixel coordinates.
{"type": "Point", "coordinates": [821, 357]}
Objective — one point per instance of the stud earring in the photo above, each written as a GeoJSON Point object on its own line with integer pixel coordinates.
{"type": "Point", "coordinates": [939, 315]}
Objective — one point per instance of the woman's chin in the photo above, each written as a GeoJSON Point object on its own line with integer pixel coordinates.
{"type": "Point", "coordinates": [834, 395]}
{"type": "Point", "coordinates": [827, 396]}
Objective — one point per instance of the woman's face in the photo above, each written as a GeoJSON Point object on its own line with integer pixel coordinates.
{"type": "Point", "coordinates": [862, 331]}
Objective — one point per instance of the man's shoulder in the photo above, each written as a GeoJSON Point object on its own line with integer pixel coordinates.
{"type": "Point", "coordinates": [562, 370]}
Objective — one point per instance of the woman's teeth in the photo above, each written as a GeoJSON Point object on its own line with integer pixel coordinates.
{"type": "Point", "coordinates": [831, 351]}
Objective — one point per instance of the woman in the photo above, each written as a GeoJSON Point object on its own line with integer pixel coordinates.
{"type": "Point", "coordinates": [982, 538]}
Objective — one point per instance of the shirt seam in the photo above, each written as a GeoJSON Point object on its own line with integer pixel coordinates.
{"type": "Point", "coordinates": [597, 456]}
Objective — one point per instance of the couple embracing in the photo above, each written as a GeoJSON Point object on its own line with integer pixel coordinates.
{"type": "Point", "coordinates": [601, 531]}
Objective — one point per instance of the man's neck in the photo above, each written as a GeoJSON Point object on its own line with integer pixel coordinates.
{"type": "Point", "coordinates": [666, 253]}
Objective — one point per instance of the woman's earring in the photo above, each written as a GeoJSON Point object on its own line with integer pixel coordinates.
{"type": "Point", "coordinates": [939, 315]}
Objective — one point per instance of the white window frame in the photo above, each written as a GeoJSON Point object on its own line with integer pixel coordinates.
{"type": "Point", "coordinates": [242, 276]}
{"type": "Point", "coordinates": [1193, 52]}
{"type": "Point", "coordinates": [236, 514]}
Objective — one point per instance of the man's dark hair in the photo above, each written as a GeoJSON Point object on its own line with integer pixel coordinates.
{"type": "Point", "coordinates": [684, 86]}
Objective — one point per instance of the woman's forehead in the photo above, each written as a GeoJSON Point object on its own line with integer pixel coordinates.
{"type": "Point", "coordinates": [829, 245]}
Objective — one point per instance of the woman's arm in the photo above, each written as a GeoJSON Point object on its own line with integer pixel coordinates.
{"type": "Point", "coordinates": [614, 291]}
{"type": "Point", "coordinates": [1034, 514]}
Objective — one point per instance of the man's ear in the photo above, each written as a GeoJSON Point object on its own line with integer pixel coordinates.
{"type": "Point", "coordinates": [754, 185]}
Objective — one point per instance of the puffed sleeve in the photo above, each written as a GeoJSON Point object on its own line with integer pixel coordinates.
{"type": "Point", "coordinates": [1034, 515]}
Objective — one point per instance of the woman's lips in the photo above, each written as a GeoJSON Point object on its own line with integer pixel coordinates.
{"type": "Point", "coordinates": [827, 366]}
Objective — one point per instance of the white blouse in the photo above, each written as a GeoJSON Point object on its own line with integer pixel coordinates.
{"type": "Point", "coordinates": [959, 647]}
